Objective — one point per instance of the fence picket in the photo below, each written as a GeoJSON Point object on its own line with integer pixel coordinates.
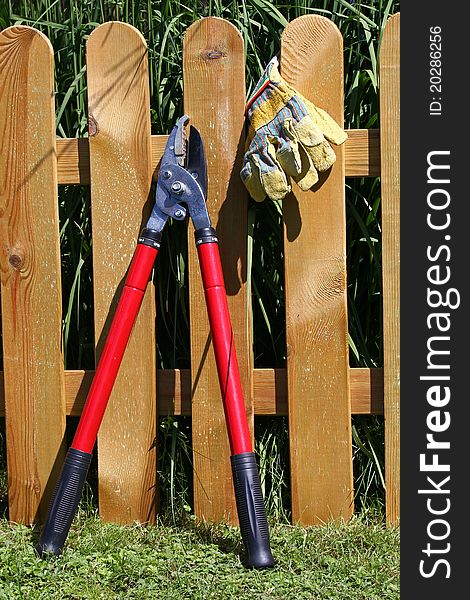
{"type": "Point", "coordinates": [30, 273]}
{"type": "Point", "coordinates": [390, 182]}
{"type": "Point", "coordinates": [120, 174]}
{"type": "Point", "coordinates": [214, 95]}
{"type": "Point", "coordinates": [316, 313]}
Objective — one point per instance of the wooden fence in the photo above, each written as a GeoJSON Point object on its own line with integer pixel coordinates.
{"type": "Point", "coordinates": [318, 391]}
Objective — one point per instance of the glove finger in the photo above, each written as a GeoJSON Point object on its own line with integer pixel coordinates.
{"type": "Point", "coordinates": [321, 153]}
{"type": "Point", "coordinates": [308, 175]}
{"type": "Point", "coordinates": [287, 149]}
{"type": "Point", "coordinates": [304, 131]}
{"type": "Point", "coordinates": [315, 159]}
{"type": "Point", "coordinates": [264, 178]}
{"type": "Point", "coordinates": [288, 157]}
{"type": "Point", "coordinates": [273, 177]}
{"type": "Point", "coordinates": [326, 124]}
{"type": "Point", "coordinates": [322, 156]}
{"type": "Point", "coordinates": [252, 181]}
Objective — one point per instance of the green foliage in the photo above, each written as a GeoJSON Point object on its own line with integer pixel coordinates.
{"type": "Point", "coordinates": [272, 448]}
{"type": "Point", "coordinates": [357, 561]}
{"type": "Point", "coordinates": [175, 468]}
{"type": "Point", "coordinates": [261, 22]}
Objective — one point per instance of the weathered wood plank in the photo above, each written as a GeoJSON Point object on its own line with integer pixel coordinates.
{"type": "Point", "coordinates": [362, 153]}
{"type": "Point", "coordinates": [120, 167]}
{"type": "Point", "coordinates": [214, 97]}
{"type": "Point", "coordinates": [390, 181]}
{"type": "Point", "coordinates": [362, 156]}
{"type": "Point", "coordinates": [316, 314]}
{"type": "Point", "coordinates": [269, 392]}
{"type": "Point", "coordinates": [30, 273]}
{"type": "Point", "coordinates": [367, 394]}
{"type": "Point", "coordinates": [73, 161]}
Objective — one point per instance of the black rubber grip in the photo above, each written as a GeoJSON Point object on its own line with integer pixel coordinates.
{"type": "Point", "coordinates": [150, 237]}
{"type": "Point", "coordinates": [251, 510]}
{"type": "Point", "coordinates": [205, 235]}
{"type": "Point", "coordinates": [64, 502]}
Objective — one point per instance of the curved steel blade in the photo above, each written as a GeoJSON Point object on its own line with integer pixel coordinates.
{"type": "Point", "coordinates": [196, 159]}
{"type": "Point", "coordinates": [176, 146]}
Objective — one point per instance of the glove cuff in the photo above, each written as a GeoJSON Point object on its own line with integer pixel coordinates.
{"type": "Point", "coordinates": [270, 75]}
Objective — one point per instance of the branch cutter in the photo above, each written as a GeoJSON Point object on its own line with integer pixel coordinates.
{"type": "Point", "coordinates": [181, 189]}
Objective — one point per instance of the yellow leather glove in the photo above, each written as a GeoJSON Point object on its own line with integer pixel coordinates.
{"type": "Point", "coordinates": [288, 136]}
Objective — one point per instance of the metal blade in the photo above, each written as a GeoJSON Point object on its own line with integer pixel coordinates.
{"type": "Point", "coordinates": [175, 149]}
{"type": "Point", "coordinates": [180, 140]}
{"type": "Point", "coordinates": [196, 159]}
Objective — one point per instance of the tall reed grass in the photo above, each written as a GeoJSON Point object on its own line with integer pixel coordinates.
{"type": "Point", "coordinates": [68, 23]}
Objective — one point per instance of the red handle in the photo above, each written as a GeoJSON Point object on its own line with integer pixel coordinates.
{"type": "Point", "coordinates": [224, 348]}
{"type": "Point", "coordinates": [113, 351]}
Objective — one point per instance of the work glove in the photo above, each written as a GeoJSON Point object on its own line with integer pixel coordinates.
{"type": "Point", "coordinates": [288, 137]}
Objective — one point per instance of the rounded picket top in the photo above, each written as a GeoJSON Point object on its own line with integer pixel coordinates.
{"type": "Point", "coordinates": [211, 28]}
{"type": "Point", "coordinates": [26, 34]}
{"type": "Point", "coordinates": [102, 32]}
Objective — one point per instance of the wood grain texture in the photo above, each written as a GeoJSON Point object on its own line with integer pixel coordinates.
{"type": "Point", "coordinates": [316, 314]}
{"type": "Point", "coordinates": [214, 97]}
{"type": "Point", "coordinates": [269, 392]}
{"type": "Point", "coordinates": [367, 394]}
{"type": "Point", "coordinates": [390, 182]}
{"type": "Point", "coordinates": [120, 168]}
{"type": "Point", "coordinates": [73, 161]}
{"type": "Point", "coordinates": [30, 273]}
{"type": "Point", "coordinates": [362, 153]}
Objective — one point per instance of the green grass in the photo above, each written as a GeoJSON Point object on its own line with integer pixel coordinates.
{"type": "Point", "coordinates": [355, 561]}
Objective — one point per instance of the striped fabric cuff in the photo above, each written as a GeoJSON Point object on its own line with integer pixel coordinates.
{"type": "Point", "coordinates": [262, 83]}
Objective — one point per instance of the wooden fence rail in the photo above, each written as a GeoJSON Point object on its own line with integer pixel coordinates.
{"type": "Point", "coordinates": [318, 390]}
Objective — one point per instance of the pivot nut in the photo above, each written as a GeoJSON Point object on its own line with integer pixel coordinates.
{"type": "Point", "coordinates": [177, 188]}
